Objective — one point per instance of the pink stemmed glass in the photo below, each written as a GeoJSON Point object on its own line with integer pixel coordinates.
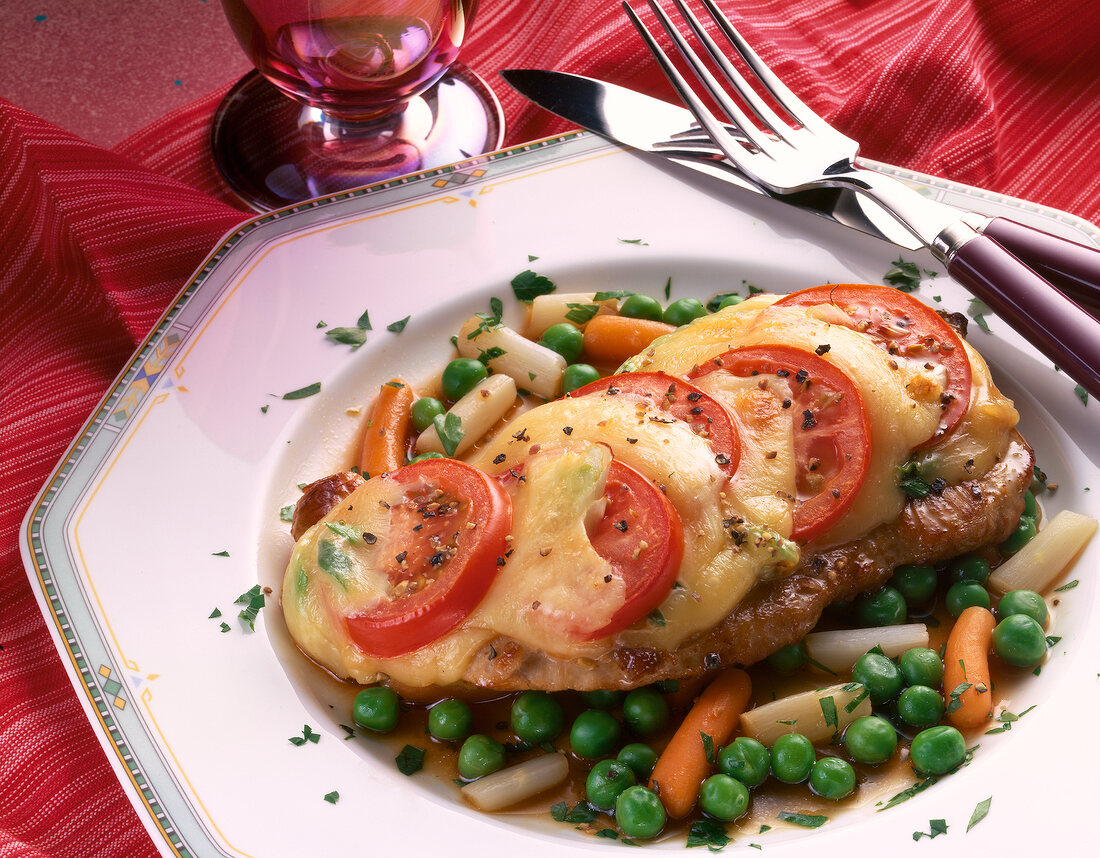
{"type": "Point", "coordinates": [348, 93]}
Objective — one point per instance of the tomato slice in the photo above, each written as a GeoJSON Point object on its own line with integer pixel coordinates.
{"type": "Point", "coordinates": [641, 537]}
{"type": "Point", "coordinates": [707, 417]}
{"type": "Point", "coordinates": [832, 437]}
{"type": "Point", "coordinates": [448, 535]}
{"type": "Point", "coordinates": [901, 325]}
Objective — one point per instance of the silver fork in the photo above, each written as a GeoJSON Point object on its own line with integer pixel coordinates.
{"type": "Point", "coordinates": [803, 151]}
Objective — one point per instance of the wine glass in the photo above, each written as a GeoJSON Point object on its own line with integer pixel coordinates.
{"type": "Point", "coordinates": [348, 93]}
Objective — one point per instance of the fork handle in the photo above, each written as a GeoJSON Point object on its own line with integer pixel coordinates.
{"type": "Point", "coordinates": [1053, 323]}
{"type": "Point", "coordinates": [1074, 268]}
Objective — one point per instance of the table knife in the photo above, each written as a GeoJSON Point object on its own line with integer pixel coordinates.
{"type": "Point", "coordinates": [655, 126]}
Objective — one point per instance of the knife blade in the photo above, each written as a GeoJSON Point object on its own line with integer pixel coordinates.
{"type": "Point", "coordinates": [651, 125]}
{"type": "Point", "coordinates": [654, 126]}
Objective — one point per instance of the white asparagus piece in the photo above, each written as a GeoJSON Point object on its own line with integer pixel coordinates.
{"type": "Point", "coordinates": [516, 783]}
{"type": "Point", "coordinates": [839, 650]}
{"type": "Point", "coordinates": [547, 310]}
{"type": "Point", "coordinates": [479, 410]}
{"type": "Point", "coordinates": [533, 367]}
{"type": "Point", "coordinates": [1041, 561]}
{"type": "Point", "coordinates": [768, 722]}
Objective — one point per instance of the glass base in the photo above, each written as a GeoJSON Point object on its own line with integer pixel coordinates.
{"type": "Point", "coordinates": [273, 152]}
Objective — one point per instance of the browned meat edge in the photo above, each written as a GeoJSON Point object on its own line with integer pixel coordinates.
{"type": "Point", "coordinates": [962, 519]}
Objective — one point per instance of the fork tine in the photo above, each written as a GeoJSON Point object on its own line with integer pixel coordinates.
{"type": "Point", "coordinates": [764, 113]}
{"type": "Point", "coordinates": [790, 102]}
{"type": "Point", "coordinates": [715, 128]}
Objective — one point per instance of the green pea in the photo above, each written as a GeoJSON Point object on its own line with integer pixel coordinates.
{"type": "Point", "coordinates": [937, 750]}
{"type": "Point", "coordinates": [450, 719]}
{"type": "Point", "coordinates": [640, 757]}
{"type": "Point", "coordinates": [920, 706]}
{"type": "Point", "coordinates": [968, 568]}
{"type": "Point", "coordinates": [565, 339]}
{"type": "Point", "coordinates": [745, 759]}
{"type": "Point", "coordinates": [537, 717]}
{"type": "Point", "coordinates": [723, 797]}
{"type": "Point", "coordinates": [1024, 533]}
{"type": "Point", "coordinates": [606, 781]}
{"type": "Point", "coordinates": [641, 307]}
{"type": "Point", "coordinates": [461, 376]}
{"type": "Point", "coordinates": [787, 659]}
{"type": "Point", "coordinates": [965, 594]}
{"type": "Point", "coordinates": [424, 411]}
{"type": "Point", "coordinates": [1031, 506]}
{"type": "Point", "coordinates": [884, 607]}
{"type": "Point", "coordinates": [683, 311]}
{"type": "Point", "coordinates": [479, 756]}
{"type": "Point", "coordinates": [594, 734]}
{"type": "Point", "coordinates": [431, 454]}
{"type": "Point", "coordinates": [1019, 640]}
{"type": "Point", "coordinates": [639, 813]}
{"type": "Point", "coordinates": [917, 584]}
{"type": "Point", "coordinates": [376, 708]}
{"type": "Point", "coordinates": [921, 666]}
{"type": "Point", "coordinates": [645, 711]}
{"type": "Point", "coordinates": [870, 740]}
{"type": "Point", "coordinates": [601, 699]}
{"type": "Point", "coordinates": [879, 675]}
{"type": "Point", "coordinates": [577, 375]}
{"type": "Point", "coordinates": [792, 758]}
{"type": "Point", "coordinates": [729, 301]}
{"type": "Point", "coordinates": [1026, 602]}
{"type": "Point", "coordinates": [832, 778]}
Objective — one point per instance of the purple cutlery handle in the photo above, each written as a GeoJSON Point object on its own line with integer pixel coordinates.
{"type": "Point", "coordinates": [1053, 323]}
{"type": "Point", "coordinates": [1074, 268]}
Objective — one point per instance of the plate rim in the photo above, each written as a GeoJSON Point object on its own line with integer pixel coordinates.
{"type": "Point", "coordinates": [155, 347]}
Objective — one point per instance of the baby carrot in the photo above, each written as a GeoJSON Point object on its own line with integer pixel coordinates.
{"type": "Point", "coordinates": [966, 667]}
{"type": "Point", "coordinates": [684, 764]}
{"type": "Point", "coordinates": [386, 435]}
{"type": "Point", "coordinates": [610, 339]}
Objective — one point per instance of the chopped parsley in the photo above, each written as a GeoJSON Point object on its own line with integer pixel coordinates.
{"type": "Point", "coordinates": [906, 794]}
{"type": "Point", "coordinates": [806, 820]}
{"type": "Point", "coordinates": [708, 747]}
{"type": "Point", "coordinates": [1081, 394]}
{"type": "Point", "coordinates": [904, 276]}
{"type": "Point", "coordinates": [253, 601]}
{"type": "Point", "coordinates": [716, 300]}
{"type": "Point", "coordinates": [225, 628]}
{"type": "Point", "coordinates": [332, 797]}
{"type": "Point", "coordinates": [527, 286]}
{"type": "Point", "coordinates": [955, 696]}
{"type": "Point", "coordinates": [657, 618]}
{"type": "Point", "coordinates": [978, 310]}
{"type": "Point", "coordinates": [353, 337]}
{"type": "Point", "coordinates": [304, 392]}
{"type": "Point", "coordinates": [333, 561]}
{"type": "Point", "coordinates": [828, 711]}
{"type": "Point", "coordinates": [286, 513]}
{"type": "Point", "coordinates": [707, 832]}
{"type": "Point", "coordinates": [1068, 586]}
{"type": "Point", "coordinates": [220, 554]}
{"type": "Point", "coordinates": [214, 614]}
{"type": "Point", "coordinates": [364, 321]}
{"type": "Point", "coordinates": [611, 295]}
{"type": "Point", "coordinates": [349, 532]}
{"type": "Point", "coordinates": [668, 288]}
{"type": "Point", "coordinates": [398, 326]}
{"type": "Point", "coordinates": [307, 736]}
{"type": "Point", "coordinates": [410, 760]}
{"type": "Point", "coordinates": [581, 313]}
{"type": "Point", "coordinates": [637, 241]}
{"type": "Point", "coordinates": [979, 812]}
{"type": "Point", "coordinates": [936, 827]}
{"type": "Point", "coordinates": [449, 428]}
{"type": "Point", "coordinates": [581, 813]}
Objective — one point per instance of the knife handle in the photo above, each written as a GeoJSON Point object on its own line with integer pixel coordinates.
{"type": "Point", "coordinates": [1052, 322]}
{"type": "Point", "coordinates": [1074, 268]}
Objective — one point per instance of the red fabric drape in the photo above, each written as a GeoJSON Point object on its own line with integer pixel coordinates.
{"type": "Point", "coordinates": [94, 244]}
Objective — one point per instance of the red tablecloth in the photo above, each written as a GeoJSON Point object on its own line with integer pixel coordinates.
{"type": "Point", "coordinates": [94, 244]}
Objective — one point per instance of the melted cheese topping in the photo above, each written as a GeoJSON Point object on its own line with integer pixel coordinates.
{"type": "Point", "coordinates": [555, 587]}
